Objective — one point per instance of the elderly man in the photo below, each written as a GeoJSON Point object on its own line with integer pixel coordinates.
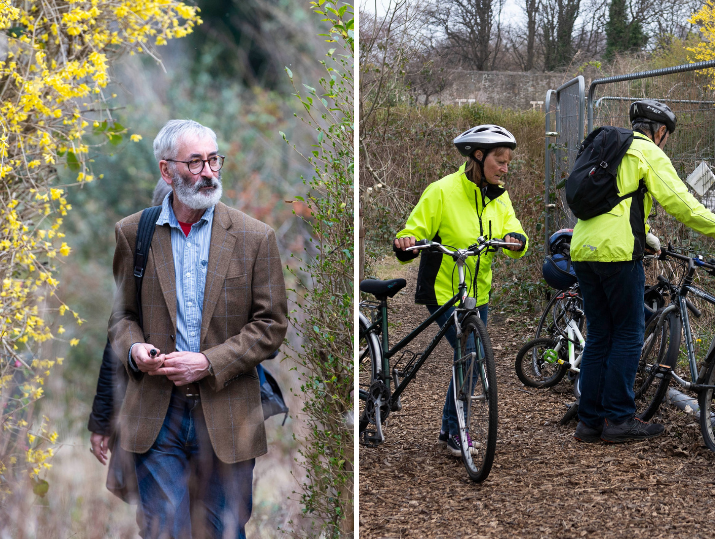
{"type": "Point", "coordinates": [214, 306]}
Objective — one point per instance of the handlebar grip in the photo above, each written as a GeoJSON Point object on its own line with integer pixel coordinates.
{"type": "Point", "coordinates": [693, 309]}
{"type": "Point", "coordinates": [663, 280]}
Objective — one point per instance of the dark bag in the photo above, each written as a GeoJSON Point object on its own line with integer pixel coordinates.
{"type": "Point", "coordinates": [591, 188]}
{"type": "Point", "coordinates": [121, 476]}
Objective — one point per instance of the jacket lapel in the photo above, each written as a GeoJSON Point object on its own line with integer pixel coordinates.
{"type": "Point", "coordinates": [220, 252]}
{"type": "Point", "coordinates": [164, 264]}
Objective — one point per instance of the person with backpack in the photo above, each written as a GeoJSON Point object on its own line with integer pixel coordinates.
{"type": "Point", "coordinates": [611, 189]}
{"type": "Point", "coordinates": [212, 307]}
{"type": "Point", "coordinates": [455, 211]}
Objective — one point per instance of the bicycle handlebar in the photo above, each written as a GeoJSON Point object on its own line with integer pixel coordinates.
{"type": "Point", "coordinates": [473, 250]}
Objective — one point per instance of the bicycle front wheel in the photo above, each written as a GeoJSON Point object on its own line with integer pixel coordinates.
{"type": "Point", "coordinates": [475, 391]}
{"type": "Point", "coordinates": [537, 363]}
{"type": "Point", "coordinates": [660, 346]}
{"type": "Point", "coordinates": [705, 400]}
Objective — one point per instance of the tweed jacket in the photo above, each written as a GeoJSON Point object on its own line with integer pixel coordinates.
{"type": "Point", "coordinates": [243, 322]}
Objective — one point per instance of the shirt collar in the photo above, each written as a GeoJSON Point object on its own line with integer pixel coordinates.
{"type": "Point", "coordinates": [167, 215]}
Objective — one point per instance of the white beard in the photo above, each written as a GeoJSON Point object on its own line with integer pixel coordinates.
{"type": "Point", "coordinates": [190, 196]}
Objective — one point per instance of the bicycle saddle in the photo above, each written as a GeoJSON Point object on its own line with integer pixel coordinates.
{"type": "Point", "coordinates": [382, 289]}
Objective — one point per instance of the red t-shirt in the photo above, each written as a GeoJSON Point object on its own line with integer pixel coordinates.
{"type": "Point", "coordinates": [186, 227]}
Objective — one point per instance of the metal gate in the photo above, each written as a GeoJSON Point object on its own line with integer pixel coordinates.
{"type": "Point", "coordinates": [687, 89]}
{"type": "Point", "coordinates": [566, 103]}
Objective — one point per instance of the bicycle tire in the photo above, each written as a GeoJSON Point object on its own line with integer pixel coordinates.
{"type": "Point", "coordinates": [549, 374]}
{"type": "Point", "coordinates": [571, 413]}
{"type": "Point", "coordinates": [660, 346]}
{"type": "Point", "coordinates": [368, 369]}
{"type": "Point", "coordinates": [705, 402]}
{"type": "Point", "coordinates": [555, 314]}
{"type": "Point", "coordinates": [476, 399]}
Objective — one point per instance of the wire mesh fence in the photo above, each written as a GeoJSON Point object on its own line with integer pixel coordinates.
{"type": "Point", "coordinates": [689, 90]}
{"type": "Point", "coordinates": [691, 96]}
{"type": "Point", "coordinates": [565, 124]}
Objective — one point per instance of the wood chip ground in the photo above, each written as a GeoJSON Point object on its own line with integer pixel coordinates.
{"type": "Point", "coordinates": [543, 483]}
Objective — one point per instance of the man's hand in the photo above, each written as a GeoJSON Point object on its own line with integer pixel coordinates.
{"type": "Point", "coordinates": [184, 367]}
{"type": "Point", "coordinates": [516, 245]}
{"type": "Point", "coordinates": [145, 362]}
{"type": "Point", "coordinates": [404, 243]}
{"type": "Point", "coordinates": [99, 447]}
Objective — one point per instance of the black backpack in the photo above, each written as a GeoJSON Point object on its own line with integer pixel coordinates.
{"type": "Point", "coordinates": [591, 188]}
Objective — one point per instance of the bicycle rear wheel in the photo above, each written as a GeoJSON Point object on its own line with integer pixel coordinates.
{"type": "Point", "coordinates": [660, 346]}
{"type": "Point", "coordinates": [705, 400]}
{"type": "Point", "coordinates": [475, 389]}
{"type": "Point", "coordinates": [556, 315]}
{"type": "Point", "coordinates": [368, 370]}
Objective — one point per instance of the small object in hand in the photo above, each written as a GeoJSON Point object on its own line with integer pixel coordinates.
{"type": "Point", "coordinates": [153, 352]}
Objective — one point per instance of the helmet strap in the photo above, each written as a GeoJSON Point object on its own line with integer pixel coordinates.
{"type": "Point", "coordinates": [483, 180]}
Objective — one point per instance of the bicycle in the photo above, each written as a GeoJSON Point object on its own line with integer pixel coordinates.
{"type": "Point", "coordinates": [473, 370]}
{"type": "Point", "coordinates": [654, 376]}
{"type": "Point", "coordinates": [543, 361]}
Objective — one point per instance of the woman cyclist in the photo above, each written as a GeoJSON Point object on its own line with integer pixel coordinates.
{"type": "Point", "coordinates": [455, 211]}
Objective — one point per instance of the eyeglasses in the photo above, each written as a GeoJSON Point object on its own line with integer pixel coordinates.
{"type": "Point", "coordinates": [197, 165]}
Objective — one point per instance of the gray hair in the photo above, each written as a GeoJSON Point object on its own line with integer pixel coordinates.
{"type": "Point", "coordinates": [646, 126]}
{"type": "Point", "coordinates": [160, 191]}
{"type": "Point", "coordinates": [166, 142]}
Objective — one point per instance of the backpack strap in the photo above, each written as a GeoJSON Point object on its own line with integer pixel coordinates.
{"type": "Point", "coordinates": [642, 190]}
{"type": "Point", "coordinates": [145, 232]}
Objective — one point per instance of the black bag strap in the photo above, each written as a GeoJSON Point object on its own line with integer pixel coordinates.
{"type": "Point", "coordinates": [145, 232]}
{"type": "Point", "coordinates": [642, 190]}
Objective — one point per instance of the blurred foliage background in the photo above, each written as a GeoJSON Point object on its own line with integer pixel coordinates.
{"type": "Point", "coordinates": [228, 75]}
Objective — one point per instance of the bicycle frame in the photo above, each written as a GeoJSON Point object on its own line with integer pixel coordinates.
{"type": "Point", "coordinates": [682, 305]}
{"type": "Point", "coordinates": [573, 337]}
{"type": "Point", "coordinates": [383, 362]}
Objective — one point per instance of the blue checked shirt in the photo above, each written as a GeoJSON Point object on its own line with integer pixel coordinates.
{"type": "Point", "coordinates": [191, 259]}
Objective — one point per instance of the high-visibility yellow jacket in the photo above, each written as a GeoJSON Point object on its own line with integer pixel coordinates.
{"type": "Point", "coordinates": [619, 235]}
{"type": "Point", "coordinates": [455, 212]}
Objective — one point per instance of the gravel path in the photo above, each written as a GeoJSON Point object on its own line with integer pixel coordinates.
{"type": "Point", "coordinates": [543, 483]}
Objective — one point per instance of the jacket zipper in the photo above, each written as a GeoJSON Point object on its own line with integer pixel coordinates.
{"type": "Point", "coordinates": [481, 233]}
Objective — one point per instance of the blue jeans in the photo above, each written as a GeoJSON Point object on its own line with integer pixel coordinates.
{"type": "Point", "coordinates": [450, 424]}
{"type": "Point", "coordinates": [184, 489]}
{"type": "Point", "coordinates": [613, 303]}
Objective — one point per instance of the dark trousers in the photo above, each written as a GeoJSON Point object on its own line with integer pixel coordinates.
{"type": "Point", "coordinates": [185, 491]}
{"type": "Point", "coordinates": [613, 303]}
{"type": "Point", "coordinates": [450, 423]}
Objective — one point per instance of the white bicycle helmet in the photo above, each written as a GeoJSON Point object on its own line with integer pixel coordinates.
{"type": "Point", "coordinates": [484, 137]}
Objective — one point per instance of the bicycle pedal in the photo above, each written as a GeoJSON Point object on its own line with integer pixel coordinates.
{"type": "Point", "coordinates": [370, 438]}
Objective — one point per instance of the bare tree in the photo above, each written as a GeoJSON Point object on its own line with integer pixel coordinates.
{"type": "Point", "coordinates": [472, 29]}
{"type": "Point", "coordinates": [427, 73]}
{"type": "Point", "coordinates": [531, 8]}
{"type": "Point", "coordinates": [557, 25]}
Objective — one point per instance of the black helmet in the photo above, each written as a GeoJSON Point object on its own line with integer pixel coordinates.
{"type": "Point", "coordinates": [654, 111]}
{"type": "Point", "coordinates": [484, 137]}
{"type": "Point", "coordinates": [560, 241]}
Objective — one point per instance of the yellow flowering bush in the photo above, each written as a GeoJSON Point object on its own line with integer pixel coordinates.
{"type": "Point", "coordinates": [54, 71]}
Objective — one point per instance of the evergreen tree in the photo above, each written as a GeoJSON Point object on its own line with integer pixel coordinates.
{"type": "Point", "coordinates": [622, 35]}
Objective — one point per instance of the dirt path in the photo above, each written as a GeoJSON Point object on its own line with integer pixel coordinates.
{"type": "Point", "coordinates": [543, 483]}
